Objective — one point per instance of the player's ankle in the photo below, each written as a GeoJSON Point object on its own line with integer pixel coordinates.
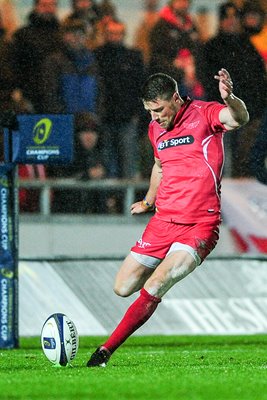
{"type": "Point", "coordinates": [109, 352]}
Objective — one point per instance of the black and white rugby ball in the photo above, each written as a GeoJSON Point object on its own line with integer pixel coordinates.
{"type": "Point", "coordinates": [60, 340]}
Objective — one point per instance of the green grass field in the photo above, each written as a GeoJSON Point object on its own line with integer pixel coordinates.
{"type": "Point", "coordinates": [154, 367]}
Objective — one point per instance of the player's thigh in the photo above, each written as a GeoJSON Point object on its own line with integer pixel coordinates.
{"type": "Point", "coordinates": [131, 276]}
{"type": "Point", "coordinates": [172, 269]}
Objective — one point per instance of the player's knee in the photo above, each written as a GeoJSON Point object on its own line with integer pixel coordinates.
{"type": "Point", "coordinates": [121, 291]}
{"type": "Point", "coordinates": [160, 283]}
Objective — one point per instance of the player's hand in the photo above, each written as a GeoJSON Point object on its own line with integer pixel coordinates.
{"type": "Point", "coordinates": [137, 208]}
{"type": "Point", "coordinates": [225, 83]}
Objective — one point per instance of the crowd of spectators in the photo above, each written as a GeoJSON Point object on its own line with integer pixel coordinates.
{"type": "Point", "coordinates": [82, 65]}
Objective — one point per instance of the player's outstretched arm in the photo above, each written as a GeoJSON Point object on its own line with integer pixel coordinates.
{"type": "Point", "coordinates": [236, 113]}
{"type": "Point", "coordinates": [148, 202]}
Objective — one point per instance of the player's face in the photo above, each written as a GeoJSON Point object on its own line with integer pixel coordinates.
{"type": "Point", "coordinates": [164, 111]}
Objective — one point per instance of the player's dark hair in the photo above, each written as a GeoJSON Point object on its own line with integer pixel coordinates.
{"type": "Point", "coordinates": [160, 86]}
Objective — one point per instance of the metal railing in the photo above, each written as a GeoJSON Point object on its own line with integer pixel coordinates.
{"type": "Point", "coordinates": [46, 187]}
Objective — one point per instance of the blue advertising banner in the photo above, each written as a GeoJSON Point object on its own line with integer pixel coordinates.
{"type": "Point", "coordinates": [8, 256]}
{"type": "Point", "coordinates": [40, 139]}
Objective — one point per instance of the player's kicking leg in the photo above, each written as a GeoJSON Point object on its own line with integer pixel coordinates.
{"type": "Point", "coordinates": [156, 283]}
{"type": "Point", "coordinates": [130, 278]}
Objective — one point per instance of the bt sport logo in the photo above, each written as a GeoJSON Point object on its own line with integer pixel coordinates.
{"type": "Point", "coordinates": [176, 141]}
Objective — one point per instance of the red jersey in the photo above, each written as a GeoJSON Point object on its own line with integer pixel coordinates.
{"type": "Point", "coordinates": [192, 157]}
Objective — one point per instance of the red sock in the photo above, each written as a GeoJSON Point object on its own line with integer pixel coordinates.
{"type": "Point", "coordinates": [136, 315]}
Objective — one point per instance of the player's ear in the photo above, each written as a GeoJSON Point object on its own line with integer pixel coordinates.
{"type": "Point", "coordinates": [176, 96]}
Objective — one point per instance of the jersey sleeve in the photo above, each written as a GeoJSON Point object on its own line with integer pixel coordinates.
{"type": "Point", "coordinates": [211, 111]}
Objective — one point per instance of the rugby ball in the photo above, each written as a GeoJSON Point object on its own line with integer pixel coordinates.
{"type": "Point", "coordinates": [60, 340]}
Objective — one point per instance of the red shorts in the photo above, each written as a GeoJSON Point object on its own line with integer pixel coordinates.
{"type": "Point", "coordinates": [161, 237]}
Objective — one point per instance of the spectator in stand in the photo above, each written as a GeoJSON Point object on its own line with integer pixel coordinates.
{"type": "Point", "coordinates": [70, 85]}
{"type": "Point", "coordinates": [87, 12]}
{"type": "Point", "coordinates": [107, 12]}
{"type": "Point", "coordinates": [252, 18]}
{"type": "Point", "coordinates": [150, 17]}
{"type": "Point", "coordinates": [259, 41]}
{"type": "Point", "coordinates": [175, 30]}
{"type": "Point", "coordinates": [189, 85]}
{"type": "Point", "coordinates": [263, 5]}
{"type": "Point", "coordinates": [255, 24]}
{"type": "Point", "coordinates": [232, 48]}
{"type": "Point", "coordinates": [11, 20]}
{"type": "Point", "coordinates": [223, 46]}
{"type": "Point", "coordinates": [107, 9]}
{"type": "Point", "coordinates": [88, 159]}
{"type": "Point", "coordinates": [122, 72]}
{"type": "Point", "coordinates": [238, 3]}
{"type": "Point", "coordinates": [10, 98]}
{"type": "Point", "coordinates": [31, 45]}
{"type": "Point", "coordinates": [69, 75]}
{"type": "Point", "coordinates": [87, 165]}
{"type": "Point", "coordinates": [7, 78]}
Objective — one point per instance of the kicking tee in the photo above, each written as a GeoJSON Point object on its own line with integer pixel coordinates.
{"type": "Point", "coordinates": [192, 157]}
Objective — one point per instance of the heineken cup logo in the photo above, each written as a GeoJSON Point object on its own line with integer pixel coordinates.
{"type": "Point", "coordinates": [42, 130]}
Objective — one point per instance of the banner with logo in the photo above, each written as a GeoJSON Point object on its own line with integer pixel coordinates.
{"type": "Point", "coordinates": [8, 256]}
{"type": "Point", "coordinates": [40, 139]}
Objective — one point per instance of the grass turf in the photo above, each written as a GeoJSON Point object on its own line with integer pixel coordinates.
{"type": "Point", "coordinates": [154, 367]}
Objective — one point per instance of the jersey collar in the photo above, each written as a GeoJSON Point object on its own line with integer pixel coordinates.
{"type": "Point", "coordinates": [187, 101]}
